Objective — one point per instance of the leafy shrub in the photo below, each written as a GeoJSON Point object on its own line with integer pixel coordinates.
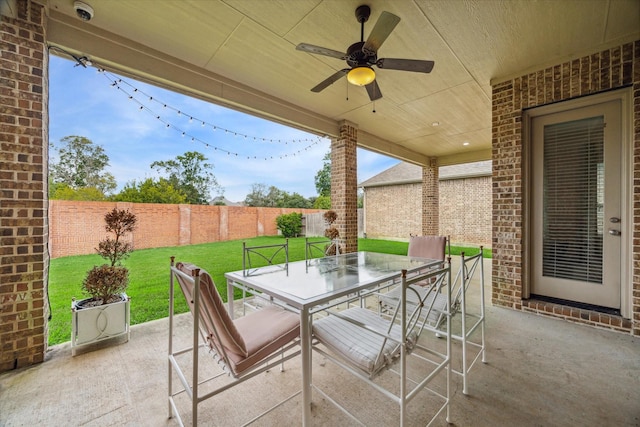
{"type": "Point", "coordinates": [104, 283]}
{"type": "Point", "coordinates": [290, 225]}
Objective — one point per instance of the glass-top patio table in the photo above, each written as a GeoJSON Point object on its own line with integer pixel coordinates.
{"type": "Point", "coordinates": [304, 286]}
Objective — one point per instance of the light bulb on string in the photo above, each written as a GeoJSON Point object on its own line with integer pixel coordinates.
{"type": "Point", "coordinates": [114, 82]}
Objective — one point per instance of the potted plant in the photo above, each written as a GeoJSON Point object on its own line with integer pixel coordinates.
{"type": "Point", "coordinates": [105, 314]}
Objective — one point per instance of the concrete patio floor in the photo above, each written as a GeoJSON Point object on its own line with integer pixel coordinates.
{"type": "Point", "coordinates": [540, 372]}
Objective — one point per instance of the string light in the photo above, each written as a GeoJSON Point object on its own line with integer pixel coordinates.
{"type": "Point", "coordinates": [227, 131]}
{"type": "Point", "coordinates": [118, 83]}
{"type": "Point", "coordinates": [204, 122]}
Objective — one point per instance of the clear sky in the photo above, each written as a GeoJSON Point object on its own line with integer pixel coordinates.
{"type": "Point", "coordinates": [130, 121]}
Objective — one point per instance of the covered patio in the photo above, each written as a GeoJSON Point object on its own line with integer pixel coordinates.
{"type": "Point", "coordinates": [499, 65]}
{"type": "Point", "coordinates": [540, 371]}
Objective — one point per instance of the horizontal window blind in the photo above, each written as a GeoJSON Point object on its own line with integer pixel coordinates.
{"type": "Point", "coordinates": [573, 196]}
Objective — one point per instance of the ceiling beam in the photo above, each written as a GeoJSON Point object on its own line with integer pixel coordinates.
{"type": "Point", "coordinates": [382, 146]}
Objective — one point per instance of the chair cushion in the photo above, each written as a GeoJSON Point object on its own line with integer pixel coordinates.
{"type": "Point", "coordinates": [357, 344]}
{"type": "Point", "coordinates": [213, 314]}
{"type": "Point", "coordinates": [432, 247]}
{"type": "Point", "coordinates": [264, 332]}
{"type": "Point", "coordinates": [247, 340]}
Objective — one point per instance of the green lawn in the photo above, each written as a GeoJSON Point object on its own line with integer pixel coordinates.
{"type": "Point", "coordinates": [149, 275]}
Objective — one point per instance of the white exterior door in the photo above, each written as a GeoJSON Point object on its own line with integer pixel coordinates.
{"type": "Point", "coordinates": [576, 205]}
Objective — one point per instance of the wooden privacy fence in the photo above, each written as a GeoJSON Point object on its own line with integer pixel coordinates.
{"type": "Point", "coordinates": [76, 227]}
{"type": "Point", "coordinates": [313, 224]}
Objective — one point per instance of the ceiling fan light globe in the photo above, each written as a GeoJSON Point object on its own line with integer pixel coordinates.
{"type": "Point", "coordinates": [361, 76]}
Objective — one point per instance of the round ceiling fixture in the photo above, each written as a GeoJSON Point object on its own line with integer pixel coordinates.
{"type": "Point", "coordinates": [361, 76]}
{"type": "Point", "coordinates": [83, 10]}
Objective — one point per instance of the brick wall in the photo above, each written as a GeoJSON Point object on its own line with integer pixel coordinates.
{"type": "Point", "coordinates": [23, 208]}
{"type": "Point", "coordinates": [465, 210]}
{"type": "Point", "coordinates": [76, 227]}
{"type": "Point", "coordinates": [395, 211]}
{"type": "Point", "coordinates": [601, 71]}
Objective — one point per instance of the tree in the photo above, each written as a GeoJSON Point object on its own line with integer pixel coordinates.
{"type": "Point", "coordinates": [264, 196]}
{"type": "Point", "coordinates": [257, 196]}
{"type": "Point", "coordinates": [322, 202]}
{"type": "Point", "coordinates": [189, 174]}
{"type": "Point", "coordinates": [323, 177]}
{"type": "Point", "coordinates": [295, 200]}
{"type": "Point", "coordinates": [150, 191]}
{"type": "Point", "coordinates": [62, 191]}
{"type": "Point", "coordinates": [273, 197]}
{"type": "Point", "coordinates": [82, 164]}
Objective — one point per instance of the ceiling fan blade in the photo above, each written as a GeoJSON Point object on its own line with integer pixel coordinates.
{"type": "Point", "coordinates": [415, 65]}
{"type": "Point", "coordinates": [386, 23]}
{"type": "Point", "coordinates": [374, 90]}
{"type": "Point", "coordinates": [331, 80]}
{"type": "Point", "coordinates": [309, 48]}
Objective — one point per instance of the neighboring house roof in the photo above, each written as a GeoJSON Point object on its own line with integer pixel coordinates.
{"type": "Point", "coordinates": [226, 201]}
{"type": "Point", "coordinates": [407, 173]}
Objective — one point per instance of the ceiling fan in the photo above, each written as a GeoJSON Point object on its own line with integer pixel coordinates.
{"type": "Point", "coordinates": [363, 55]}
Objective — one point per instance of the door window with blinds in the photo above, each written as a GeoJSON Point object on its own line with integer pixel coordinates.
{"type": "Point", "coordinates": [573, 198]}
{"type": "Point", "coordinates": [575, 205]}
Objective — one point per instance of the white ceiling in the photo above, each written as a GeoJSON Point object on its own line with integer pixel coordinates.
{"type": "Point", "coordinates": [241, 53]}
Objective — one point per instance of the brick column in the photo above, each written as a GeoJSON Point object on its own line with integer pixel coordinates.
{"type": "Point", "coordinates": [24, 256]}
{"type": "Point", "coordinates": [344, 184]}
{"type": "Point", "coordinates": [430, 199]}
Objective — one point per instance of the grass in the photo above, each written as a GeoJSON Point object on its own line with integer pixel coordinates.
{"type": "Point", "coordinates": [149, 275]}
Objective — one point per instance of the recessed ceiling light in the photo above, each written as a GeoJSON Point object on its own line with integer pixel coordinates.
{"type": "Point", "coordinates": [434, 124]}
{"type": "Point", "coordinates": [465, 143]}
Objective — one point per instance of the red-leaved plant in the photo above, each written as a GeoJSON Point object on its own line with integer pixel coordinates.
{"type": "Point", "coordinates": [106, 282]}
{"type": "Point", "coordinates": [331, 233]}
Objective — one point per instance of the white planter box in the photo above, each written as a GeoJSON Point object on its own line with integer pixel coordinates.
{"type": "Point", "coordinates": [94, 324]}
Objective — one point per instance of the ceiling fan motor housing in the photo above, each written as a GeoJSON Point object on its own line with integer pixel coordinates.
{"type": "Point", "coordinates": [357, 58]}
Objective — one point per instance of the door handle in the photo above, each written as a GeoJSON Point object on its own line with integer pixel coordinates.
{"type": "Point", "coordinates": [615, 232]}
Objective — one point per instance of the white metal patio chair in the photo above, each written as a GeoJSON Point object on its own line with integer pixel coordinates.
{"type": "Point", "coordinates": [261, 259]}
{"type": "Point", "coordinates": [364, 344]}
{"type": "Point", "coordinates": [315, 248]}
{"type": "Point", "coordinates": [256, 259]}
{"type": "Point", "coordinates": [244, 347]}
{"type": "Point", "coordinates": [431, 247]}
{"type": "Point", "coordinates": [469, 322]}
